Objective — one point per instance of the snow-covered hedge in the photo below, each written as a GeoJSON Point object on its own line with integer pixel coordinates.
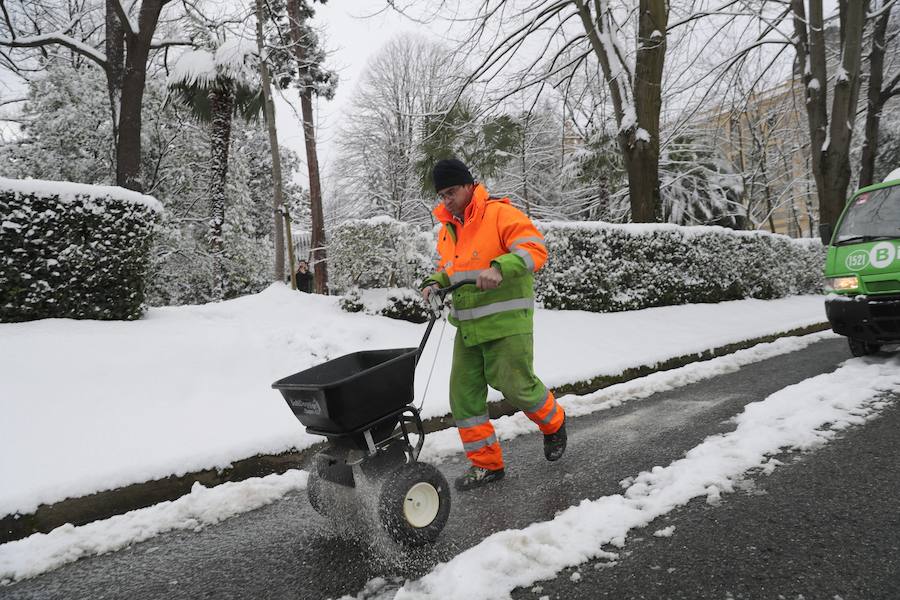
{"type": "Point", "coordinates": [606, 268]}
{"type": "Point", "coordinates": [73, 250]}
{"type": "Point", "coordinates": [601, 267]}
{"type": "Point", "coordinates": [379, 253]}
{"type": "Point", "coordinates": [404, 304]}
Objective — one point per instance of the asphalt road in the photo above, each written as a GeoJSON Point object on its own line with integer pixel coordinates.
{"type": "Point", "coordinates": [825, 526]}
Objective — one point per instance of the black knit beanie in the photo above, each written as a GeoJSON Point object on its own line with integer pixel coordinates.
{"type": "Point", "coordinates": [449, 172]}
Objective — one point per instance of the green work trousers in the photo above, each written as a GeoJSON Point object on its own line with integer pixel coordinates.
{"type": "Point", "coordinates": [505, 364]}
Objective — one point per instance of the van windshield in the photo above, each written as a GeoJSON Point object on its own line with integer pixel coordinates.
{"type": "Point", "coordinates": [871, 216]}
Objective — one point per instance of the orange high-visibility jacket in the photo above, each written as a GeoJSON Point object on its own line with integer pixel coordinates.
{"type": "Point", "coordinates": [493, 232]}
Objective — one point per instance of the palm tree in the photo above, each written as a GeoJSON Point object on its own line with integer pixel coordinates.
{"type": "Point", "coordinates": [216, 85]}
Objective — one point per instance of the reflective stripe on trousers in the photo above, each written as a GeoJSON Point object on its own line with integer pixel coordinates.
{"type": "Point", "coordinates": [480, 442]}
{"type": "Point", "coordinates": [506, 365]}
{"type": "Point", "coordinates": [548, 414]}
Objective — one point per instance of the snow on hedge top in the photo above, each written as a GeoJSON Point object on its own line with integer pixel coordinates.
{"type": "Point", "coordinates": [234, 59]}
{"type": "Point", "coordinates": [895, 174]}
{"type": "Point", "coordinates": [376, 220]}
{"type": "Point", "coordinates": [649, 228]}
{"type": "Point", "coordinates": [67, 191]}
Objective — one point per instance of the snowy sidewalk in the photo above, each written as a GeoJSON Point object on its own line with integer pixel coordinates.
{"type": "Point", "coordinates": [92, 406]}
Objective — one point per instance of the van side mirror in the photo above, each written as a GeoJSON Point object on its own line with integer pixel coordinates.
{"type": "Point", "coordinates": [825, 232]}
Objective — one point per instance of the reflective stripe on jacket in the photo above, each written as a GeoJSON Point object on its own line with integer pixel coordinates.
{"type": "Point", "coordinates": [493, 232]}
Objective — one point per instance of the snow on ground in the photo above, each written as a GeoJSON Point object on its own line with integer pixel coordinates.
{"type": "Point", "coordinates": [188, 388]}
{"type": "Point", "coordinates": [895, 174]}
{"type": "Point", "coordinates": [43, 552]}
{"type": "Point", "coordinates": [800, 417]}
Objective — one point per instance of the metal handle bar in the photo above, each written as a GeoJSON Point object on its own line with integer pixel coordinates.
{"type": "Point", "coordinates": [442, 292]}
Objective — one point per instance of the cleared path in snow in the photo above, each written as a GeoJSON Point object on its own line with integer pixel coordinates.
{"type": "Point", "coordinates": [285, 550]}
{"type": "Point", "coordinates": [825, 527]}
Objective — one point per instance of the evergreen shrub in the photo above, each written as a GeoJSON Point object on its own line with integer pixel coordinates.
{"type": "Point", "coordinates": [378, 253]}
{"type": "Point", "coordinates": [606, 268]}
{"type": "Point", "coordinates": [73, 250]}
{"type": "Point", "coordinates": [352, 301]}
{"type": "Point", "coordinates": [601, 267]}
{"type": "Point", "coordinates": [404, 304]}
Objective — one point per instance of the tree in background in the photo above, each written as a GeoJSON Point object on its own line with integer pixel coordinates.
{"type": "Point", "coordinates": [216, 85]}
{"type": "Point", "coordinates": [888, 146]}
{"type": "Point", "coordinates": [696, 185]}
{"type": "Point", "coordinates": [264, 18]}
{"type": "Point", "coordinates": [400, 121]}
{"type": "Point", "coordinates": [312, 79]}
{"type": "Point", "coordinates": [532, 175]}
{"type": "Point", "coordinates": [760, 131]}
{"type": "Point", "coordinates": [883, 41]}
{"type": "Point", "coordinates": [633, 78]}
{"type": "Point", "coordinates": [597, 184]}
{"type": "Point", "coordinates": [592, 160]}
{"type": "Point", "coordinates": [635, 90]}
{"type": "Point", "coordinates": [65, 129]}
{"type": "Point", "coordinates": [831, 131]}
{"type": "Point", "coordinates": [447, 133]}
{"type": "Point", "coordinates": [71, 145]}
{"type": "Point", "coordinates": [128, 42]}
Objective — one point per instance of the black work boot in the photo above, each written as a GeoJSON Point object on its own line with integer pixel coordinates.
{"type": "Point", "coordinates": [476, 477]}
{"type": "Point", "coordinates": [555, 443]}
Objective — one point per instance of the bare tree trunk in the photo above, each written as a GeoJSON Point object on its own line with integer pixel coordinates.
{"type": "Point", "coordinates": [604, 211]}
{"type": "Point", "coordinates": [290, 246]}
{"type": "Point", "coordinates": [794, 230]}
{"type": "Point", "coordinates": [744, 221]}
{"type": "Point", "coordinates": [128, 149]}
{"type": "Point", "coordinates": [269, 111]}
{"type": "Point", "coordinates": [830, 138]}
{"type": "Point", "coordinates": [115, 65]}
{"type": "Point", "coordinates": [874, 100]}
{"type": "Point", "coordinates": [315, 195]}
{"type": "Point", "coordinates": [312, 160]}
{"type": "Point", "coordinates": [221, 105]}
{"type": "Point", "coordinates": [641, 154]}
{"type": "Point", "coordinates": [639, 140]}
{"type": "Point", "coordinates": [525, 171]}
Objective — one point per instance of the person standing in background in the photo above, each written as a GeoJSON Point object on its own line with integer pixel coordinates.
{"type": "Point", "coordinates": [303, 277]}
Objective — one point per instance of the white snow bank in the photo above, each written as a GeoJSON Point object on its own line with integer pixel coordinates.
{"type": "Point", "coordinates": [67, 191]}
{"type": "Point", "coordinates": [895, 174]}
{"type": "Point", "coordinates": [43, 552]}
{"type": "Point", "coordinates": [91, 405]}
{"type": "Point", "coordinates": [800, 417]}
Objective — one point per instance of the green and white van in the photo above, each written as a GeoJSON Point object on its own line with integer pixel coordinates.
{"type": "Point", "coordinates": [862, 270]}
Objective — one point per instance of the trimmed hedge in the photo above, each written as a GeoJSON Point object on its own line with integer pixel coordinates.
{"type": "Point", "coordinates": [608, 268]}
{"type": "Point", "coordinates": [379, 253]}
{"type": "Point", "coordinates": [73, 250]}
{"type": "Point", "coordinates": [601, 267]}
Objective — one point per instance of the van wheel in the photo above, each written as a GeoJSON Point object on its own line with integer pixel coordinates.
{"type": "Point", "coordinates": [862, 348]}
